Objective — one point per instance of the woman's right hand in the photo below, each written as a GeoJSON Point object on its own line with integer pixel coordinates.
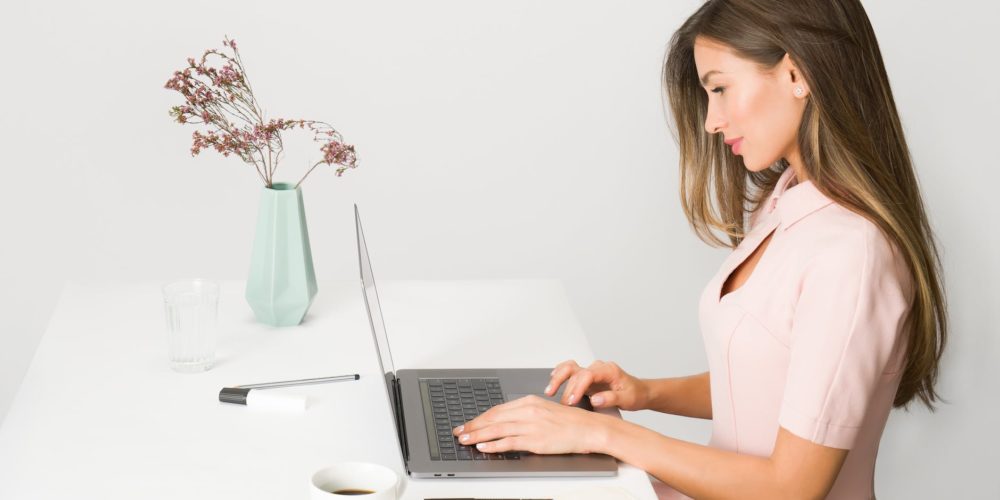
{"type": "Point", "coordinates": [605, 382]}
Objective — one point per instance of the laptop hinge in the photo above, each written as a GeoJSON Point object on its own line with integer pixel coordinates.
{"type": "Point", "coordinates": [400, 421]}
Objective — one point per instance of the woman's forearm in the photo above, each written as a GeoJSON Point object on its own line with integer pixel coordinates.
{"type": "Point", "coordinates": [695, 470]}
{"type": "Point", "coordinates": [686, 396]}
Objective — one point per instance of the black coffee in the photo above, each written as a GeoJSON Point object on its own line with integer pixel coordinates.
{"type": "Point", "coordinates": [353, 491]}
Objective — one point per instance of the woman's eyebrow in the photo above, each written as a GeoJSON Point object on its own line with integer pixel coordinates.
{"type": "Point", "coordinates": [704, 78]}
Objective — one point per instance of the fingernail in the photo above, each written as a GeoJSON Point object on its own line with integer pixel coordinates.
{"type": "Point", "coordinates": [465, 437]}
{"type": "Point", "coordinates": [481, 446]}
{"type": "Point", "coordinates": [553, 372]}
{"type": "Point", "coordinates": [459, 428]}
{"type": "Point", "coordinates": [571, 398]}
{"type": "Point", "coordinates": [597, 400]}
{"type": "Point", "coordinates": [548, 388]}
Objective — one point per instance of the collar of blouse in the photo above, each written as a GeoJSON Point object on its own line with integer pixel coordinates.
{"type": "Point", "coordinates": [792, 202]}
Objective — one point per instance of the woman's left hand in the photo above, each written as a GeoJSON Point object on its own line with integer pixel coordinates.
{"type": "Point", "coordinates": [535, 424]}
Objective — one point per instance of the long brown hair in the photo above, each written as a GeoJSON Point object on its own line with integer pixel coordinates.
{"type": "Point", "coordinates": [851, 140]}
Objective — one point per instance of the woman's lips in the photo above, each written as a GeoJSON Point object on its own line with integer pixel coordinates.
{"type": "Point", "coordinates": [736, 146]}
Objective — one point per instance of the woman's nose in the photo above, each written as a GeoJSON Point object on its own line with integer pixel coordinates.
{"type": "Point", "coordinates": [713, 121]}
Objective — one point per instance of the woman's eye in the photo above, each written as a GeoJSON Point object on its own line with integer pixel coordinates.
{"type": "Point", "coordinates": [718, 90]}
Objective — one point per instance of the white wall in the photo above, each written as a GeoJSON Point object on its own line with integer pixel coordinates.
{"type": "Point", "coordinates": [496, 140]}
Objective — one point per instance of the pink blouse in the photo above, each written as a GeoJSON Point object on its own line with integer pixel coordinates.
{"type": "Point", "coordinates": [813, 340]}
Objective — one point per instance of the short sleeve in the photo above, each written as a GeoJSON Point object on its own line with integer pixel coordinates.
{"type": "Point", "coordinates": [846, 325]}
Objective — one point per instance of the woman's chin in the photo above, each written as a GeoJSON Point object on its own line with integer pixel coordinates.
{"type": "Point", "coordinates": [753, 167]}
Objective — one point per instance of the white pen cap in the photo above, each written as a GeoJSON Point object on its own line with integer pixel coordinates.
{"type": "Point", "coordinates": [262, 400]}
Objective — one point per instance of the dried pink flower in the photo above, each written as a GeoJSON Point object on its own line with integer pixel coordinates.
{"type": "Point", "coordinates": [221, 97]}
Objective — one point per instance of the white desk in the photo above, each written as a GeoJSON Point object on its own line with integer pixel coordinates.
{"type": "Point", "coordinates": [100, 415]}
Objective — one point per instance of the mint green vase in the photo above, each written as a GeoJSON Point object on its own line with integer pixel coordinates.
{"type": "Point", "coordinates": [282, 283]}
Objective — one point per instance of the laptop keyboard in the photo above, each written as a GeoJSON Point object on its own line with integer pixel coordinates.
{"type": "Point", "coordinates": [453, 402]}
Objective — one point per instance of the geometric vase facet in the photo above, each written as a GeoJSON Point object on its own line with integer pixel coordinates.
{"type": "Point", "coordinates": [282, 283]}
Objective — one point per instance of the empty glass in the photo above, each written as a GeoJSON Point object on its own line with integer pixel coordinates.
{"type": "Point", "coordinates": [192, 308]}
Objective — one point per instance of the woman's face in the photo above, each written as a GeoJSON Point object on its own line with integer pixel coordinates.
{"type": "Point", "coordinates": [744, 103]}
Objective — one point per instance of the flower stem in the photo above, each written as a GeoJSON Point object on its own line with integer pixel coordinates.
{"type": "Point", "coordinates": [307, 174]}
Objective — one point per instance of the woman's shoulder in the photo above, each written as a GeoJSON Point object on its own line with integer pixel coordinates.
{"type": "Point", "coordinates": [836, 231]}
{"type": "Point", "coordinates": [838, 239]}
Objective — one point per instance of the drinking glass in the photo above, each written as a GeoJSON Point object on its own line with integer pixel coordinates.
{"type": "Point", "coordinates": [192, 309]}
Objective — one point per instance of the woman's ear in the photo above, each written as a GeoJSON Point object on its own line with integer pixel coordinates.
{"type": "Point", "coordinates": [793, 77]}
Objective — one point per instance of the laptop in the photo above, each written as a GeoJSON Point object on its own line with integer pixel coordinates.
{"type": "Point", "coordinates": [427, 404]}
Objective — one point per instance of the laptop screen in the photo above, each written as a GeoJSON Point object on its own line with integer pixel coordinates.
{"type": "Point", "coordinates": [371, 301]}
{"type": "Point", "coordinates": [377, 323]}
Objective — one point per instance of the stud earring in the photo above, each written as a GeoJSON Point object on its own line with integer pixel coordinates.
{"type": "Point", "coordinates": [798, 91]}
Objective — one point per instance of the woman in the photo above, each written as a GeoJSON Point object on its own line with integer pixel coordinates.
{"type": "Point", "coordinates": [828, 313]}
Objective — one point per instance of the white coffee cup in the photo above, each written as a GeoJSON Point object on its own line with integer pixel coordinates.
{"type": "Point", "coordinates": [379, 480]}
